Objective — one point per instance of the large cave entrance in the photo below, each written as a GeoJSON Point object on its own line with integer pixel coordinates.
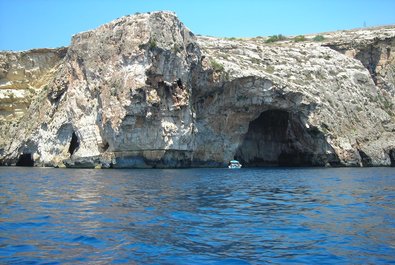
{"type": "Point", "coordinates": [25, 160]}
{"type": "Point", "coordinates": [278, 138]}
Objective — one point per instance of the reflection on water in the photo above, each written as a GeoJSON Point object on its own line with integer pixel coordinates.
{"type": "Point", "coordinates": [197, 216]}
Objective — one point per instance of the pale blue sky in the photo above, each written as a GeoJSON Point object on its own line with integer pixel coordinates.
{"type": "Point", "coordinates": [26, 24]}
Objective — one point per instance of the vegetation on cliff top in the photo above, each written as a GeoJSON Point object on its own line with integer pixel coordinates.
{"type": "Point", "coordinates": [318, 38]}
{"type": "Point", "coordinates": [275, 38]}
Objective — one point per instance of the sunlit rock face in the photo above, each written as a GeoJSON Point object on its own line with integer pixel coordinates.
{"type": "Point", "coordinates": [22, 76]}
{"type": "Point", "coordinates": [374, 48]}
{"type": "Point", "coordinates": [123, 91]}
{"type": "Point", "coordinates": [143, 91]}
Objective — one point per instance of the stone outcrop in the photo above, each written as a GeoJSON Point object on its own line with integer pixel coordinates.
{"type": "Point", "coordinates": [374, 48]}
{"type": "Point", "coordinates": [22, 76]}
{"type": "Point", "coordinates": [306, 103]}
{"type": "Point", "coordinates": [143, 91]}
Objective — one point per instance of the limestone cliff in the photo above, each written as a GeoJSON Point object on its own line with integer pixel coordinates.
{"type": "Point", "coordinates": [374, 48]}
{"type": "Point", "coordinates": [143, 91]}
{"type": "Point", "coordinates": [22, 76]}
{"type": "Point", "coordinates": [294, 103]}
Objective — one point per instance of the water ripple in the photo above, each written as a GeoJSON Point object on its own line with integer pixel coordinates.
{"type": "Point", "coordinates": [197, 216]}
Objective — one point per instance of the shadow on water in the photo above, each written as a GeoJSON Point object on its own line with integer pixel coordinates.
{"type": "Point", "coordinates": [219, 216]}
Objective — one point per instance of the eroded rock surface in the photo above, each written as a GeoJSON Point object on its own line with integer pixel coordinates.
{"type": "Point", "coordinates": [143, 91]}
{"type": "Point", "coordinates": [374, 47]}
{"type": "Point", "coordinates": [22, 76]}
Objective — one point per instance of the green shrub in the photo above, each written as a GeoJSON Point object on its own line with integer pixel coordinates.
{"type": "Point", "coordinates": [318, 38]}
{"type": "Point", "coordinates": [299, 38]}
{"type": "Point", "coordinates": [241, 97]}
{"type": "Point", "coordinates": [142, 46]}
{"type": "Point", "coordinates": [270, 69]}
{"type": "Point", "coordinates": [255, 61]}
{"type": "Point", "coordinates": [152, 43]}
{"type": "Point", "coordinates": [217, 67]}
{"type": "Point", "coordinates": [275, 38]}
{"type": "Point", "coordinates": [387, 104]}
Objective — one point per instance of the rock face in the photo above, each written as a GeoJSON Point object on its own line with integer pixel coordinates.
{"type": "Point", "coordinates": [143, 91]}
{"type": "Point", "coordinates": [22, 76]}
{"type": "Point", "coordinates": [374, 48]}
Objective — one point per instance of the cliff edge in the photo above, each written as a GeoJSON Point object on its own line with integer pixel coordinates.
{"type": "Point", "coordinates": [144, 91]}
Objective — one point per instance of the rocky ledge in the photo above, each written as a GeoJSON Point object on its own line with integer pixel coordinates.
{"type": "Point", "coordinates": [144, 91]}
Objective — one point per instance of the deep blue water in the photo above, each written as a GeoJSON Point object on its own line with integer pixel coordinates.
{"type": "Point", "coordinates": [197, 216]}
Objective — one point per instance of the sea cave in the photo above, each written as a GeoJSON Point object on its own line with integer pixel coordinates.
{"type": "Point", "coordinates": [279, 138]}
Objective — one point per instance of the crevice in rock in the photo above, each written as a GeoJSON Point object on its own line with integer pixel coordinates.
{"type": "Point", "coordinates": [392, 157]}
{"type": "Point", "coordinates": [365, 159]}
{"type": "Point", "coordinates": [104, 147]}
{"type": "Point", "coordinates": [74, 144]}
{"type": "Point", "coordinates": [179, 83]}
{"type": "Point", "coordinates": [25, 160]}
{"type": "Point", "coordinates": [370, 58]}
{"type": "Point", "coordinates": [55, 96]}
{"type": "Point", "coordinates": [278, 138]}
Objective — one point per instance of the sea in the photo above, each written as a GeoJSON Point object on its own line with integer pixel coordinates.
{"type": "Point", "coordinates": [197, 216]}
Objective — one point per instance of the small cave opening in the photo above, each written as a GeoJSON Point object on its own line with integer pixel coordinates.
{"type": "Point", "coordinates": [74, 144]}
{"type": "Point", "coordinates": [279, 138]}
{"type": "Point", "coordinates": [392, 157]}
{"type": "Point", "coordinates": [104, 146]}
{"type": "Point", "coordinates": [365, 159]}
{"type": "Point", "coordinates": [25, 160]}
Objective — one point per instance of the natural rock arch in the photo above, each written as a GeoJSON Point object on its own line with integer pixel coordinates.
{"type": "Point", "coordinates": [279, 138]}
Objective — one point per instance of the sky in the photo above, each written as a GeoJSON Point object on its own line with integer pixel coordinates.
{"type": "Point", "coordinates": [27, 24]}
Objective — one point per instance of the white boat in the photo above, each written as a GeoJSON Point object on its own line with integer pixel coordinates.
{"type": "Point", "coordinates": [233, 164]}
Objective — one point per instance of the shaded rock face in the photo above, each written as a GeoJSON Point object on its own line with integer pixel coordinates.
{"type": "Point", "coordinates": [278, 137]}
{"type": "Point", "coordinates": [143, 91]}
{"type": "Point", "coordinates": [392, 157]}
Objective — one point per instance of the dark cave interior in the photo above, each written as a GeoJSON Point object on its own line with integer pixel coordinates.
{"type": "Point", "coordinates": [74, 144]}
{"type": "Point", "coordinates": [25, 160]}
{"type": "Point", "coordinates": [278, 138]}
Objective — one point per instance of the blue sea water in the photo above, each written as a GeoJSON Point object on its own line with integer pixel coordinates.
{"type": "Point", "coordinates": [197, 216]}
